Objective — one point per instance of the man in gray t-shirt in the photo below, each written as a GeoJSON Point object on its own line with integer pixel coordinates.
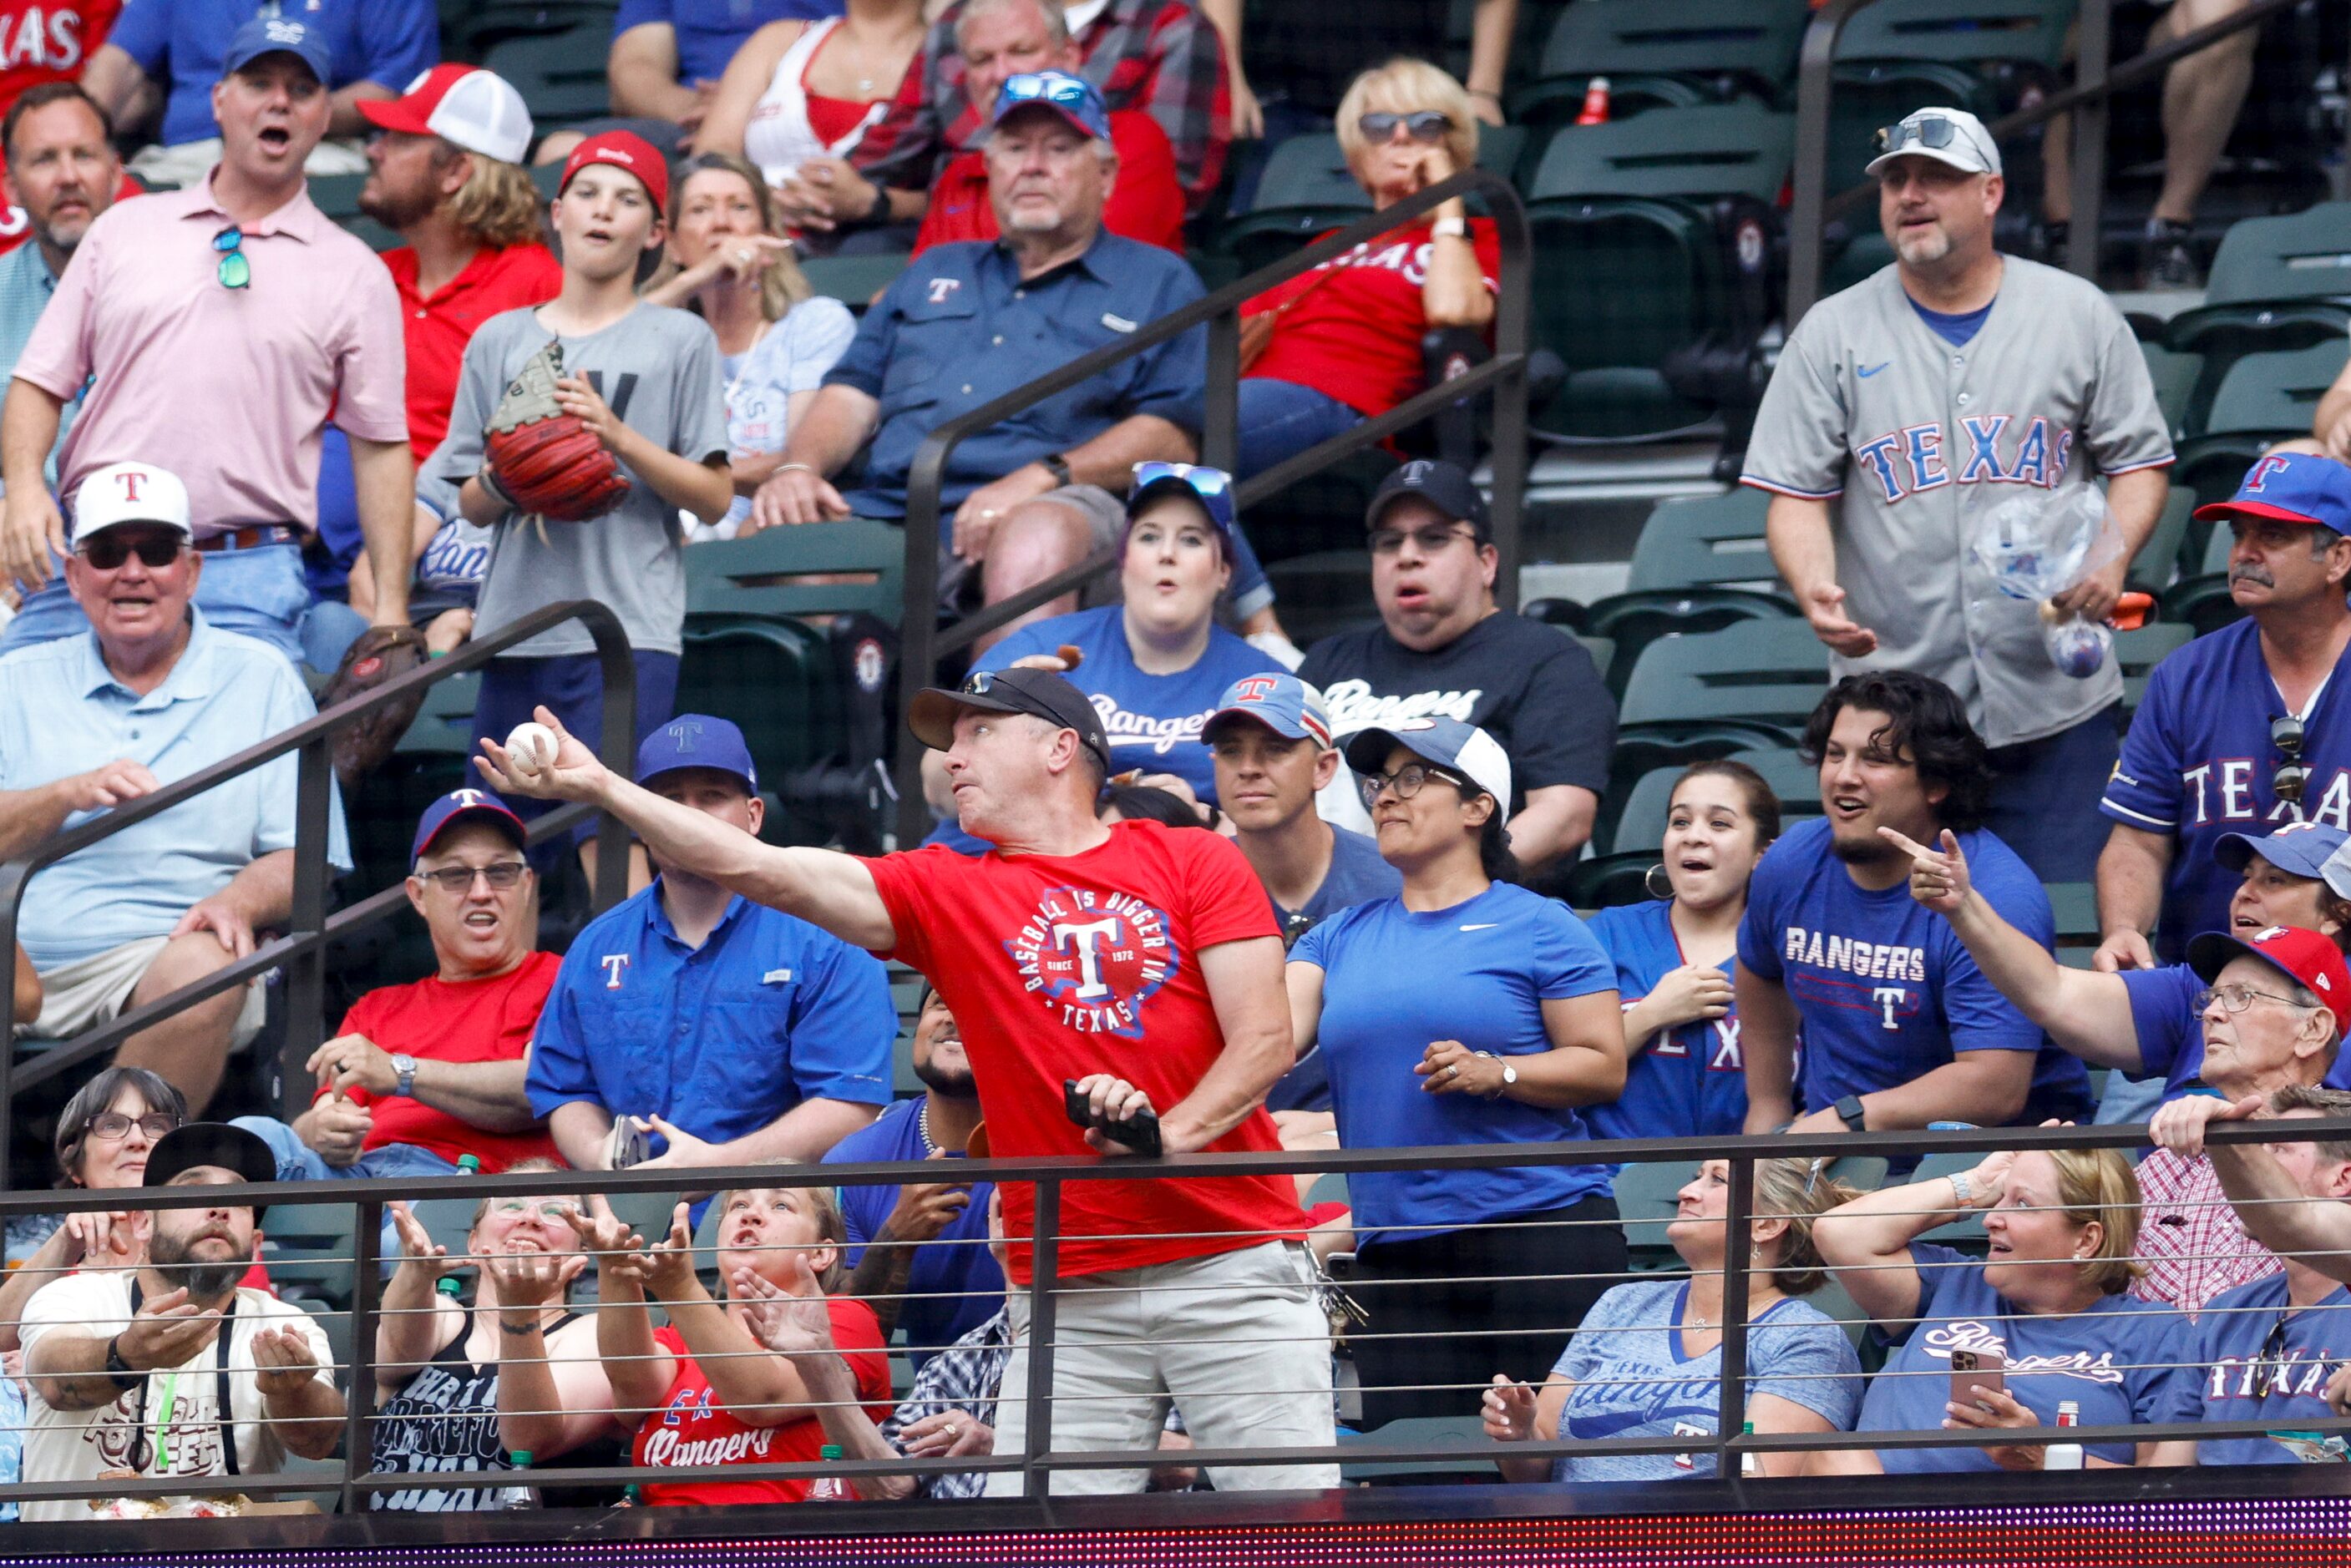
{"type": "Point", "coordinates": [1903, 410]}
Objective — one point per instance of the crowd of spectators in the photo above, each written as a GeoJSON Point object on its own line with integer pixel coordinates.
{"type": "Point", "coordinates": [1193, 888]}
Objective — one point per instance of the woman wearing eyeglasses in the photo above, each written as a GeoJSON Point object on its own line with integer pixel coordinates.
{"type": "Point", "coordinates": [1157, 663]}
{"type": "Point", "coordinates": [1464, 1010]}
{"type": "Point", "coordinates": [462, 1391]}
{"type": "Point", "coordinates": [1345, 337]}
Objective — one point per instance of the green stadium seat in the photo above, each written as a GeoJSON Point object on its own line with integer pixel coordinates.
{"type": "Point", "coordinates": [469, 30]}
{"type": "Point", "coordinates": [1872, 94]}
{"type": "Point", "coordinates": [2139, 651]}
{"type": "Point", "coordinates": [773, 677]}
{"type": "Point", "coordinates": [1767, 674]}
{"type": "Point", "coordinates": [1641, 826]}
{"type": "Point", "coordinates": [1662, 53]}
{"type": "Point", "coordinates": [1699, 564]}
{"type": "Point", "coordinates": [1959, 32]}
{"type": "Point", "coordinates": [1307, 190]}
{"type": "Point", "coordinates": [852, 280]}
{"type": "Point", "coordinates": [2074, 905]}
{"type": "Point", "coordinates": [2262, 398]}
{"type": "Point", "coordinates": [1426, 1432]}
{"type": "Point", "coordinates": [2150, 571]}
{"type": "Point", "coordinates": [560, 75]}
{"type": "Point", "coordinates": [2201, 602]}
{"type": "Point", "coordinates": [1692, 154]}
{"type": "Point", "coordinates": [1646, 1198]}
{"type": "Point", "coordinates": [1965, 1234]}
{"type": "Point", "coordinates": [2174, 373]}
{"type": "Point", "coordinates": [2276, 284]}
{"type": "Point", "coordinates": [766, 574]}
{"type": "Point", "coordinates": [309, 1251]}
{"type": "Point", "coordinates": [444, 725]}
{"type": "Point", "coordinates": [1864, 254]}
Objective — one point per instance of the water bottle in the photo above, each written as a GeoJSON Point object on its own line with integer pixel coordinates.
{"type": "Point", "coordinates": [1595, 103]}
{"type": "Point", "coordinates": [829, 1488]}
{"type": "Point", "coordinates": [450, 1285]}
{"type": "Point", "coordinates": [469, 1165]}
{"type": "Point", "coordinates": [2065, 1456]}
{"type": "Point", "coordinates": [1751, 1463]}
{"type": "Point", "coordinates": [520, 1498]}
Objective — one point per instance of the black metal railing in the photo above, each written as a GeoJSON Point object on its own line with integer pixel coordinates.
{"type": "Point", "coordinates": [2096, 81]}
{"type": "Point", "coordinates": [1038, 1458]}
{"type": "Point", "coordinates": [301, 949]}
{"type": "Point", "coordinates": [1504, 375]}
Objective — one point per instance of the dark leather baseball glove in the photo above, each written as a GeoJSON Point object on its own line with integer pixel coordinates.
{"type": "Point", "coordinates": [382, 654]}
{"type": "Point", "coordinates": [543, 460]}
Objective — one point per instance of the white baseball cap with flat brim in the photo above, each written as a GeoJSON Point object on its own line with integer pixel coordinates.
{"type": "Point", "coordinates": [124, 493]}
{"type": "Point", "coordinates": [1950, 135]}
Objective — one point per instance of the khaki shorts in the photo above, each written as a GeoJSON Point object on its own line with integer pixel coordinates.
{"type": "Point", "coordinates": [79, 996]}
{"type": "Point", "coordinates": [1105, 515]}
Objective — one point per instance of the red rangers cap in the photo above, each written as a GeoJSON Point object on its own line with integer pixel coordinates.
{"type": "Point", "coordinates": [2303, 957]}
{"type": "Point", "coordinates": [623, 150]}
{"type": "Point", "coordinates": [464, 105]}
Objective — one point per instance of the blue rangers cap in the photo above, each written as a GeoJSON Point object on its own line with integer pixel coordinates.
{"type": "Point", "coordinates": [2289, 487]}
{"type": "Point", "coordinates": [2298, 848]}
{"type": "Point", "coordinates": [1281, 701]}
{"type": "Point", "coordinates": [1211, 487]}
{"type": "Point", "coordinates": [278, 36]}
{"type": "Point", "coordinates": [1449, 743]}
{"type": "Point", "coordinates": [696, 740]}
{"type": "Point", "coordinates": [1075, 98]}
{"type": "Point", "coordinates": [465, 805]}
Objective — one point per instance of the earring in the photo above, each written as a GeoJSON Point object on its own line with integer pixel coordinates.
{"type": "Point", "coordinates": [1649, 884]}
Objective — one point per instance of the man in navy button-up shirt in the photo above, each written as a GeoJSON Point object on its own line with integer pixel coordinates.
{"type": "Point", "coordinates": [967, 323]}
{"type": "Point", "coordinates": [729, 1032]}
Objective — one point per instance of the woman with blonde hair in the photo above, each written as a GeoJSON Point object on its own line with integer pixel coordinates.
{"type": "Point", "coordinates": [729, 261]}
{"type": "Point", "coordinates": [1343, 341]}
{"type": "Point", "coordinates": [1647, 1360]}
{"type": "Point", "coordinates": [1997, 1346]}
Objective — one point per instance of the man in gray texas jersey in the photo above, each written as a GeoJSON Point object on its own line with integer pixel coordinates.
{"type": "Point", "coordinates": [1906, 408]}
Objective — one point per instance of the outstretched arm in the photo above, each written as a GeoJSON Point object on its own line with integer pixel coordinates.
{"type": "Point", "coordinates": [822, 886]}
{"type": "Point", "coordinates": [2276, 1211]}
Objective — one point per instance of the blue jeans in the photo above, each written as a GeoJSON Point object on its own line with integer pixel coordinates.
{"type": "Point", "coordinates": [2045, 797]}
{"type": "Point", "coordinates": [297, 1161]}
{"type": "Point", "coordinates": [260, 592]}
{"type": "Point", "coordinates": [1282, 419]}
{"type": "Point", "coordinates": [572, 685]}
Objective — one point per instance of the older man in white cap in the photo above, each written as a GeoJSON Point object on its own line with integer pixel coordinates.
{"type": "Point", "coordinates": [153, 693]}
{"type": "Point", "coordinates": [1907, 407]}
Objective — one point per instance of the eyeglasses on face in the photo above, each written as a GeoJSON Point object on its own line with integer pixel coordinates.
{"type": "Point", "coordinates": [2290, 777]}
{"type": "Point", "coordinates": [109, 550]}
{"type": "Point", "coordinates": [113, 1125]}
{"type": "Point", "coordinates": [552, 1211]}
{"type": "Point", "coordinates": [235, 270]}
{"type": "Point", "coordinates": [1428, 541]}
{"type": "Point", "coordinates": [458, 881]}
{"type": "Point", "coordinates": [1407, 781]}
{"type": "Point", "coordinates": [2236, 996]}
{"type": "Point", "coordinates": [1199, 476]}
{"type": "Point", "coordinates": [1426, 126]}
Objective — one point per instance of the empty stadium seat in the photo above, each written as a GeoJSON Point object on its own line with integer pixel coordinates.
{"type": "Point", "coordinates": [1699, 564]}
{"type": "Point", "coordinates": [2139, 651]}
{"type": "Point", "coordinates": [1795, 783]}
{"type": "Point", "coordinates": [2200, 601]}
{"type": "Point", "coordinates": [1763, 675]}
{"type": "Point", "coordinates": [560, 75]}
{"type": "Point", "coordinates": [1663, 53]}
{"type": "Point", "coordinates": [2262, 400]}
{"type": "Point", "coordinates": [2276, 284]}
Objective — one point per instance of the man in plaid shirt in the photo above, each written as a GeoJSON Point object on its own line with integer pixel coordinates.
{"type": "Point", "coordinates": [1164, 56]}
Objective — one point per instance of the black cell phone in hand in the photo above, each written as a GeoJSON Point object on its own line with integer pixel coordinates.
{"type": "Point", "coordinates": [1139, 1133]}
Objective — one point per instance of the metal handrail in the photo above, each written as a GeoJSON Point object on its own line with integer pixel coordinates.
{"type": "Point", "coordinates": [1729, 1444]}
{"type": "Point", "coordinates": [2096, 80]}
{"type": "Point", "coordinates": [924, 642]}
{"type": "Point", "coordinates": [302, 950]}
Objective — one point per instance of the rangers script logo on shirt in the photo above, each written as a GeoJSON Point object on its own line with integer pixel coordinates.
{"type": "Point", "coordinates": [1094, 957]}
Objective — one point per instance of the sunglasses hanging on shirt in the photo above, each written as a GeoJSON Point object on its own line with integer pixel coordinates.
{"type": "Point", "coordinates": [2290, 776]}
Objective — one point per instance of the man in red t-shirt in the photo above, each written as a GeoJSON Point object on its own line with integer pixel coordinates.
{"type": "Point", "coordinates": [1137, 961]}
{"type": "Point", "coordinates": [427, 1073]}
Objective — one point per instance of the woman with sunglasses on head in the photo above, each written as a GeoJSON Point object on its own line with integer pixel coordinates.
{"type": "Point", "coordinates": [1673, 960]}
{"type": "Point", "coordinates": [1464, 1010]}
{"type": "Point", "coordinates": [1344, 341]}
{"type": "Point", "coordinates": [460, 1392]}
{"type": "Point", "coordinates": [1155, 664]}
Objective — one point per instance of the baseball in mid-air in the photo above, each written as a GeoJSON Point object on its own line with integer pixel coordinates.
{"type": "Point", "coordinates": [530, 747]}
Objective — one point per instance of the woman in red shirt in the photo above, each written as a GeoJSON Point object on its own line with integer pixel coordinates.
{"type": "Point", "coordinates": [704, 1390]}
{"type": "Point", "coordinates": [1345, 341]}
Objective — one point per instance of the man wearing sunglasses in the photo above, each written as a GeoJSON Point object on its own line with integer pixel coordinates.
{"type": "Point", "coordinates": [1903, 412]}
{"type": "Point", "coordinates": [2247, 729]}
{"type": "Point", "coordinates": [423, 1074]}
{"type": "Point", "coordinates": [153, 692]}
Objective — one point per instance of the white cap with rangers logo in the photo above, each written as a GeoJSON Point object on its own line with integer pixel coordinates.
{"type": "Point", "coordinates": [131, 493]}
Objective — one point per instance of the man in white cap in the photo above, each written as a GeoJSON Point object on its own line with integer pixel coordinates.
{"type": "Point", "coordinates": [1902, 412]}
{"type": "Point", "coordinates": [154, 693]}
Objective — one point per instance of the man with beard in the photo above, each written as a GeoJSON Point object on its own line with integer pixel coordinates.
{"type": "Point", "coordinates": [173, 1369]}
{"type": "Point", "coordinates": [920, 1251]}
{"type": "Point", "coordinates": [1900, 1027]}
{"type": "Point", "coordinates": [1905, 410]}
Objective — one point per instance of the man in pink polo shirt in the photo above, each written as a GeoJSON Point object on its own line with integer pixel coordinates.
{"type": "Point", "coordinates": [219, 328]}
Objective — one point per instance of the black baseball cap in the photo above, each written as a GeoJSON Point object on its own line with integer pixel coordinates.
{"type": "Point", "coordinates": [1038, 693]}
{"type": "Point", "coordinates": [195, 1144]}
{"type": "Point", "coordinates": [1444, 485]}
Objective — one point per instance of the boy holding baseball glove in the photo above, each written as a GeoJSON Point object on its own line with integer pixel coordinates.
{"type": "Point", "coordinates": [581, 428]}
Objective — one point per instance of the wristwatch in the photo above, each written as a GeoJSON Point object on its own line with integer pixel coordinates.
{"type": "Point", "coordinates": [1962, 1188]}
{"type": "Point", "coordinates": [119, 1372]}
{"type": "Point", "coordinates": [1854, 1117]}
{"type": "Point", "coordinates": [1450, 228]}
{"type": "Point", "coordinates": [404, 1075]}
{"type": "Point", "coordinates": [1054, 464]}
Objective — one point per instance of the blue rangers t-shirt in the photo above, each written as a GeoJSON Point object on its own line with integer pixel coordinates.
{"type": "Point", "coordinates": [2197, 762]}
{"type": "Point", "coordinates": [1687, 1080]}
{"type": "Point", "coordinates": [2171, 1029]}
{"type": "Point", "coordinates": [1393, 980]}
{"type": "Point", "coordinates": [1886, 989]}
{"type": "Point", "coordinates": [953, 1284]}
{"type": "Point", "coordinates": [2259, 1364]}
{"type": "Point", "coordinates": [1633, 1380]}
{"type": "Point", "coordinates": [2123, 1362]}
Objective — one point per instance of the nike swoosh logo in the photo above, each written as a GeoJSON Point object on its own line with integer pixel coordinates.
{"type": "Point", "coordinates": [1488, 926]}
{"type": "Point", "coordinates": [1866, 372]}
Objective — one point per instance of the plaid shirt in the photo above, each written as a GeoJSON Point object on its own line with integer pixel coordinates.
{"type": "Point", "coordinates": [963, 1377]}
{"type": "Point", "coordinates": [1160, 56]}
{"type": "Point", "coordinates": [2190, 1239]}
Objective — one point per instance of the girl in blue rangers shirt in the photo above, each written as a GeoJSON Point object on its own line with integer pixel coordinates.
{"type": "Point", "coordinates": [2048, 1298]}
{"type": "Point", "coordinates": [1647, 1361]}
{"type": "Point", "coordinates": [1673, 962]}
{"type": "Point", "coordinates": [1461, 1011]}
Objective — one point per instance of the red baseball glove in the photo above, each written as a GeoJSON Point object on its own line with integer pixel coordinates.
{"type": "Point", "coordinates": [543, 460]}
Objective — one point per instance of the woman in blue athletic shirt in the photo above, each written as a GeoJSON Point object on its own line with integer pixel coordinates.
{"type": "Point", "coordinates": [1463, 1009]}
{"type": "Point", "coordinates": [2047, 1301]}
{"type": "Point", "coordinates": [1673, 962]}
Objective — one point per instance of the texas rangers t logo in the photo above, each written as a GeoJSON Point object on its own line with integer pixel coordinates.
{"type": "Point", "coordinates": [614, 964]}
{"type": "Point", "coordinates": [1094, 957]}
{"type": "Point", "coordinates": [943, 287]}
{"type": "Point", "coordinates": [131, 479]}
{"type": "Point", "coordinates": [467, 799]}
{"type": "Point", "coordinates": [2258, 480]}
{"type": "Point", "coordinates": [1253, 688]}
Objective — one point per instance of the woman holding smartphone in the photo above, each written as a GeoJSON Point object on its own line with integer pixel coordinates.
{"type": "Point", "coordinates": [1997, 1346]}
